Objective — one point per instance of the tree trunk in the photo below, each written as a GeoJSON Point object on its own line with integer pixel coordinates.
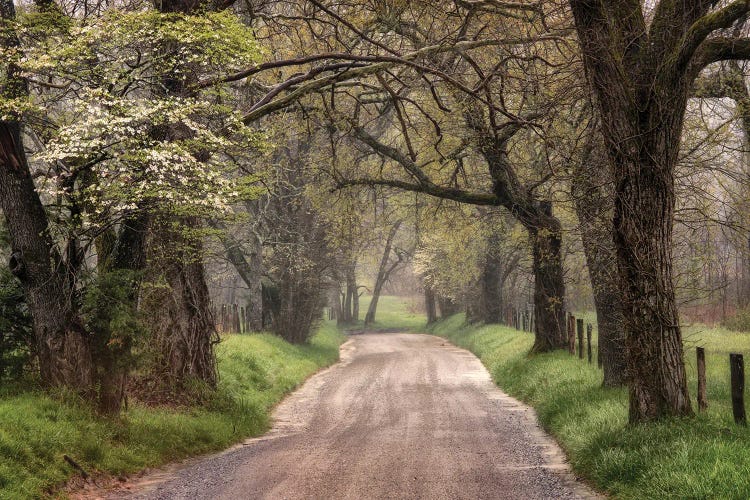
{"type": "Point", "coordinates": [429, 301]}
{"type": "Point", "coordinates": [119, 281]}
{"type": "Point", "coordinates": [351, 303]}
{"type": "Point", "coordinates": [641, 95]}
{"type": "Point", "coordinates": [181, 318]}
{"type": "Point", "coordinates": [335, 299]}
{"type": "Point", "coordinates": [490, 295]}
{"type": "Point", "coordinates": [384, 271]}
{"type": "Point", "coordinates": [62, 345]}
{"type": "Point", "coordinates": [350, 289]}
{"type": "Point", "coordinates": [644, 211]}
{"type": "Point", "coordinates": [250, 269]}
{"type": "Point", "coordinates": [549, 285]}
{"type": "Point", "coordinates": [592, 193]}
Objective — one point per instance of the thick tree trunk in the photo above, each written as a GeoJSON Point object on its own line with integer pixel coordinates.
{"type": "Point", "coordinates": [644, 211]}
{"type": "Point", "coordinates": [593, 196]}
{"type": "Point", "coordinates": [545, 235]}
{"type": "Point", "coordinates": [182, 322]}
{"type": "Point", "coordinates": [119, 268]}
{"type": "Point", "coordinates": [62, 345]}
{"type": "Point", "coordinates": [549, 285]}
{"type": "Point", "coordinates": [384, 271]}
{"type": "Point", "coordinates": [641, 95]}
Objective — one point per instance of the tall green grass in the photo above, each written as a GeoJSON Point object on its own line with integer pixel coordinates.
{"type": "Point", "coordinates": [36, 429]}
{"type": "Point", "coordinates": [703, 457]}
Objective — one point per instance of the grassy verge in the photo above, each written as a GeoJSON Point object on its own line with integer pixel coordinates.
{"type": "Point", "coordinates": [255, 373]}
{"type": "Point", "coordinates": [704, 457]}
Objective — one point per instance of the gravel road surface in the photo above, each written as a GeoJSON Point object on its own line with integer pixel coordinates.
{"type": "Point", "coordinates": [401, 416]}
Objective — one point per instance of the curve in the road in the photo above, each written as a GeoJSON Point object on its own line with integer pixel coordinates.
{"type": "Point", "coordinates": [401, 416]}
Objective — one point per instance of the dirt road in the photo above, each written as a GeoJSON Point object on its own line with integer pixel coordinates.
{"type": "Point", "coordinates": [402, 416]}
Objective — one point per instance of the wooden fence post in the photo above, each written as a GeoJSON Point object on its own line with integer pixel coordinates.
{"type": "Point", "coordinates": [580, 338]}
{"type": "Point", "coordinates": [701, 365]}
{"type": "Point", "coordinates": [589, 329]}
{"type": "Point", "coordinates": [737, 369]}
{"type": "Point", "coordinates": [221, 318]}
{"type": "Point", "coordinates": [571, 334]}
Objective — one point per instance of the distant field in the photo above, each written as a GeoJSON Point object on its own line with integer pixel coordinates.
{"type": "Point", "coordinates": [394, 313]}
{"type": "Point", "coordinates": [255, 372]}
{"type": "Point", "coordinates": [704, 457]}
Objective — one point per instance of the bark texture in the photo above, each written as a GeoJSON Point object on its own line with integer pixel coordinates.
{"type": "Point", "coordinates": [182, 323]}
{"type": "Point", "coordinates": [62, 344]}
{"type": "Point", "coordinates": [593, 196]}
{"type": "Point", "coordinates": [642, 74]}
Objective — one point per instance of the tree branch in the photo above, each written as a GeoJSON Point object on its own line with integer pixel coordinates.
{"type": "Point", "coordinates": [721, 49]}
{"type": "Point", "coordinates": [434, 190]}
{"type": "Point", "coordinates": [707, 24]}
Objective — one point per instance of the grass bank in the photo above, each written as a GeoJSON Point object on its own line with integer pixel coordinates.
{"type": "Point", "coordinates": [255, 373]}
{"type": "Point", "coordinates": [704, 457]}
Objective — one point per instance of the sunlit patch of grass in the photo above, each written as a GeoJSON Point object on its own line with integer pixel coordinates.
{"type": "Point", "coordinates": [393, 314]}
{"type": "Point", "coordinates": [36, 429]}
{"type": "Point", "coordinates": [703, 457]}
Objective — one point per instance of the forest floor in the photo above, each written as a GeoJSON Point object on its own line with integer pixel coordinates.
{"type": "Point", "coordinates": [38, 429]}
{"type": "Point", "coordinates": [703, 457]}
{"type": "Point", "coordinates": [401, 416]}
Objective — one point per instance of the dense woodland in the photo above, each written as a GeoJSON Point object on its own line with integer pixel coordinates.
{"type": "Point", "coordinates": [158, 161]}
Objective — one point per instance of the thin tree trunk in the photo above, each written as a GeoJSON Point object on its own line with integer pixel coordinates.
{"type": "Point", "coordinates": [429, 301]}
{"type": "Point", "coordinates": [250, 269]}
{"type": "Point", "coordinates": [490, 295]}
{"type": "Point", "coordinates": [384, 271]}
{"type": "Point", "coordinates": [351, 290]}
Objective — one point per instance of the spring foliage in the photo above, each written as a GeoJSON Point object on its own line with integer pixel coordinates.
{"type": "Point", "coordinates": [115, 105]}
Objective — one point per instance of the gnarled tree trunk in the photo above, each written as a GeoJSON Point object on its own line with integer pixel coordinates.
{"type": "Point", "coordinates": [641, 90]}
{"type": "Point", "coordinates": [62, 345]}
{"type": "Point", "coordinates": [182, 322]}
